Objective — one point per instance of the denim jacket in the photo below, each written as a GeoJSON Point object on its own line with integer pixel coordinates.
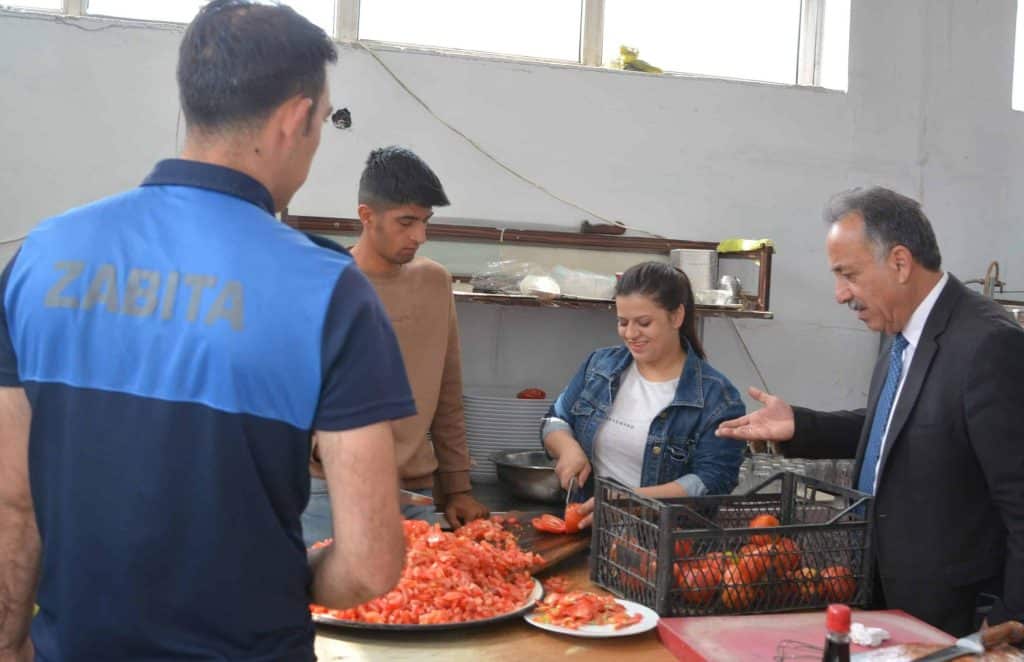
{"type": "Point", "coordinates": [681, 442]}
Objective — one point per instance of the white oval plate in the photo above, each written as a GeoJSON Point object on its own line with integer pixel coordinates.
{"type": "Point", "coordinates": [648, 620]}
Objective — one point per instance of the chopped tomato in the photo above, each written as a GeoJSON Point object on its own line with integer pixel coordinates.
{"type": "Point", "coordinates": [549, 523]}
{"type": "Point", "coordinates": [578, 608]}
{"type": "Point", "coordinates": [531, 394]}
{"type": "Point", "coordinates": [556, 584]}
{"type": "Point", "coordinates": [476, 572]}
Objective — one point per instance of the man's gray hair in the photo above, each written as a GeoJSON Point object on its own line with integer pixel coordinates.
{"type": "Point", "coordinates": [890, 219]}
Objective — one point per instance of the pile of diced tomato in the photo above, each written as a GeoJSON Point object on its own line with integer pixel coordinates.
{"type": "Point", "coordinates": [477, 572]}
{"type": "Point", "coordinates": [578, 608]}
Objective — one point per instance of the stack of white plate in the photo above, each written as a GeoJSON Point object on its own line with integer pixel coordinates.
{"type": "Point", "coordinates": [497, 423]}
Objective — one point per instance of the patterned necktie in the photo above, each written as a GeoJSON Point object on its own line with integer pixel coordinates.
{"type": "Point", "coordinates": [866, 483]}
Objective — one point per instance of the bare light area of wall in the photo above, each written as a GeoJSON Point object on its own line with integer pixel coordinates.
{"type": "Point", "coordinates": [89, 105]}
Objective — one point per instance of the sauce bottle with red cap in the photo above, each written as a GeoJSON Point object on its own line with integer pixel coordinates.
{"type": "Point", "coordinates": [837, 639]}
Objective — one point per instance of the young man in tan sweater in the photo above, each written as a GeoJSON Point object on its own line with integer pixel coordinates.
{"type": "Point", "coordinates": [397, 193]}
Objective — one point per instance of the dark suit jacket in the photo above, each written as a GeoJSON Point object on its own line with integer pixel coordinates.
{"type": "Point", "coordinates": [948, 520]}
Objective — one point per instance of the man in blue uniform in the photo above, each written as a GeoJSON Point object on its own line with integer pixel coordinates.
{"type": "Point", "coordinates": [165, 355]}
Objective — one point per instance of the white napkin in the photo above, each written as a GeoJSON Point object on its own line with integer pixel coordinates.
{"type": "Point", "coordinates": [863, 635]}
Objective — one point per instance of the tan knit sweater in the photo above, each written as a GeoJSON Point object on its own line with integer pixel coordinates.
{"type": "Point", "coordinates": [421, 306]}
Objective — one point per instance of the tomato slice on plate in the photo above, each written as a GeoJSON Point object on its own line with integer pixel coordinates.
{"type": "Point", "coordinates": [548, 523]}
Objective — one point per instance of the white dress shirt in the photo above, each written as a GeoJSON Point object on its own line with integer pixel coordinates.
{"type": "Point", "coordinates": [912, 332]}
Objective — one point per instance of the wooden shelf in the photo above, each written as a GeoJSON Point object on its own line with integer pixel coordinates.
{"type": "Point", "coordinates": [757, 307]}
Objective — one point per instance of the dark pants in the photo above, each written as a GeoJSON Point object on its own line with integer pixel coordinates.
{"type": "Point", "coordinates": [316, 519]}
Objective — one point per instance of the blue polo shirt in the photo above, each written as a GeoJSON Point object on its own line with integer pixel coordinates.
{"type": "Point", "coordinates": [178, 344]}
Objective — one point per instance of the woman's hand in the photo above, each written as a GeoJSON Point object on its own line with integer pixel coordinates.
{"type": "Point", "coordinates": [570, 459]}
{"type": "Point", "coordinates": [587, 510]}
{"type": "Point", "coordinates": [572, 463]}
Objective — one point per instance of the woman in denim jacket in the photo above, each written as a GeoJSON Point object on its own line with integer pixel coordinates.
{"type": "Point", "coordinates": [646, 413]}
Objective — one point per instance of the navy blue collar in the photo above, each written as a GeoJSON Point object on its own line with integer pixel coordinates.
{"type": "Point", "coordinates": [180, 172]}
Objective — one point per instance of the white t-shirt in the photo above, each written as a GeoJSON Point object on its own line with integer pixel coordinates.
{"type": "Point", "coordinates": [620, 442]}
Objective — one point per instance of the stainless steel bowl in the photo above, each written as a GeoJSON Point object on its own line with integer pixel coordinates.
{"type": "Point", "coordinates": [529, 475]}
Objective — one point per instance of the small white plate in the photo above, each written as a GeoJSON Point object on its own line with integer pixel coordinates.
{"type": "Point", "coordinates": [648, 620]}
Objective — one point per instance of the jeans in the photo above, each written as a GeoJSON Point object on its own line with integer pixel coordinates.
{"type": "Point", "coordinates": [316, 519]}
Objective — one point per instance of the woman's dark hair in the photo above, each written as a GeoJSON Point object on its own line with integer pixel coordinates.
{"type": "Point", "coordinates": [238, 61]}
{"type": "Point", "coordinates": [669, 288]}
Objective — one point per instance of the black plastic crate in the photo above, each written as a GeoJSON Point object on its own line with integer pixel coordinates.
{"type": "Point", "coordinates": [697, 556]}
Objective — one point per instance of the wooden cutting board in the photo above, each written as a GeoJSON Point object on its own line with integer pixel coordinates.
{"type": "Point", "coordinates": [553, 547]}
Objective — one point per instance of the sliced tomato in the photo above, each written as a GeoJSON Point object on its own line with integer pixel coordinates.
{"type": "Point", "coordinates": [579, 608]}
{"type": "Point", "coordinates": [573, 517]}
{"type": "Point", "coordinates": [549, 523]}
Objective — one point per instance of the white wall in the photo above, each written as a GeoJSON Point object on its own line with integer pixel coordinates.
{"type": "Point", "coordinates": [86, 113]}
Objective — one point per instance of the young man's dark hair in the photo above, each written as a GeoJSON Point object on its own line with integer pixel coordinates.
{"type": "Point", "coordinates": [394, 176]}
{"type": "Point", "coordinates": [239, 60]}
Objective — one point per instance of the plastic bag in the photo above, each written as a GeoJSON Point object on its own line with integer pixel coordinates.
{"type": "Point", "coordinates": [505, 276]}
{"type": "Point", "coordinates": [584, 284]}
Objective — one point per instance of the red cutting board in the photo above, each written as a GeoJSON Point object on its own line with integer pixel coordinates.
{"type": "Point", "coordinates": [755, 638]}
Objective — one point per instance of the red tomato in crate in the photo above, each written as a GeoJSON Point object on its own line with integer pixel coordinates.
{"type": "Point", "coordinates": [737, 593]}
{"type": "Point", "coordinates": [763, 521]}
{"type": "Point", "coordinates": [683, 548]}
{"type": "Point", "coordinates": [755, 560]}
{"type": "Point", "coordinates": [837, 584]}
{"type": "Point", "coordinates": [699, 581]}
{"type": "Point", "coordinates": [804, 584]}
{"type": "Point", "coordinates": [785, 555]}
{"type": "Point", "coordinates": [636, 561]}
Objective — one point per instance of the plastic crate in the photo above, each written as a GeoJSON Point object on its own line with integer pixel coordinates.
{"type": "Point", "coordinates": [675, 555]}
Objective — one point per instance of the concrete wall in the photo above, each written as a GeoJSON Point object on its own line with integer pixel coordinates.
{"type": "Point", "coordinates": [88, 106]}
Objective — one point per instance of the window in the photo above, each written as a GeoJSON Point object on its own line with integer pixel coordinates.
{"type": "Point", "coordinates": [835, 51]}
{"type": "Point", "coordinates": [176, 11]}
{"type": "Point", "coordinates": [1017, 98]}
{"type": "Point", "coordinates": [801, 42]}
{"type": "Point", "coordinates": [547, 29]}
{"type": "Point", "coordinates": [751, 39]}
{"type": "Point", "coordinates": [320, 12]}
{"type": "Point", "coordinates": [48, 5]}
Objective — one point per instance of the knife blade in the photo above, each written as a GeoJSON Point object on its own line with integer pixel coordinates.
{"type": "Point", "coordinates": [1010, 632]}
{"type": "Point", "coordinates": [408, 498]}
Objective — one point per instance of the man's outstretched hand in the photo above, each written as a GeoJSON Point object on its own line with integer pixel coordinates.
{"type": "Point", "coordinates": [773, 422]}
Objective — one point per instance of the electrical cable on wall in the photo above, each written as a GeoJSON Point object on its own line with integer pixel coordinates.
{"type": "Point", "coordinates": [501, 164]}
{"type": "Point", "coordinates": [754, 446]}
{"type": "Point", "coordinates": [750, 356]}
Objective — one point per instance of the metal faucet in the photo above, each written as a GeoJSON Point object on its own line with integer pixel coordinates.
{"type": "Point", "coordinates": [991, 280]}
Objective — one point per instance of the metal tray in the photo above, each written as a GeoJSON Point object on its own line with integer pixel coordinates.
{"type": "Point", "coordinates": [531, 601]}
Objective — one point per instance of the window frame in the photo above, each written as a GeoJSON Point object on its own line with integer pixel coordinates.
{"type": "Point", "coordinates": [809, 45]}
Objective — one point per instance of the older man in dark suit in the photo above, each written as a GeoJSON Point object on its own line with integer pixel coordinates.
{"type": "Point", "coordinates": [940, 444]}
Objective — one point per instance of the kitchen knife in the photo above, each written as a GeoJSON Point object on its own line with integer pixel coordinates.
{"type": "Point", "coordinates": [439, 518]}
{"type": "Point", "coordinates": [407, 498]}
{"type": "Point", "coordinates": [568, 492]}
{"type": "Point", "coordinates": [1010, 632]}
